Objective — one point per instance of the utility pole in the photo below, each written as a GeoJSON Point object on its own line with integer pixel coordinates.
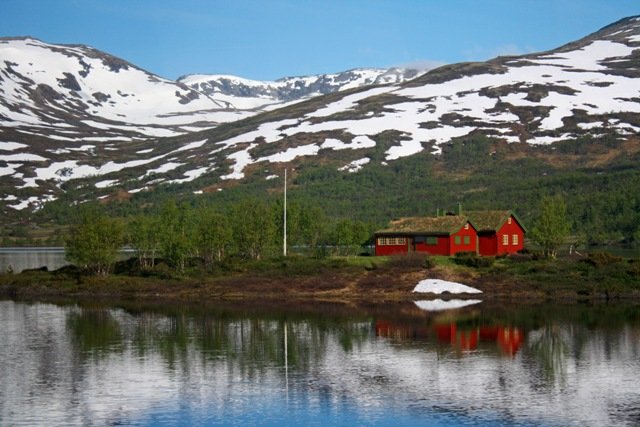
{"type": "Point", "coordinates": [284, 246]}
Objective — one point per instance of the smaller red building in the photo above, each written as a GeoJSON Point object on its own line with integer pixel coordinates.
{"type": "Point", "coordinates": [443, 235]}
{"type": "Point", "coordinates": [499, 232]}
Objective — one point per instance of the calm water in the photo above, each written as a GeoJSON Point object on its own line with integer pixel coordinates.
{"type": "Point", "coordinates": [247, 364]}
{"type": "Point", "coordinates": [18, 259]}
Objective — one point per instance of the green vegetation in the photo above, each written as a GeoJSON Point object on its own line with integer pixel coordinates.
{"type": "Point", "coordinates": [94, 241]}
{"type": "Point", "coordinates": [598, 178]}
{"type": "Point", "coordinates": [181, 236]}
{"type": "Point", "coordinates": [552, 228]}
{"type": "Point", "coordinates": [598, 274]}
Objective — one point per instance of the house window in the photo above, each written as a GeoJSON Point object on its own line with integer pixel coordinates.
{"type": "Point", "coordinates": [457, 240]}
{"type": "Point", "coordinates": [514, 239]}
{"type": "Point", "coordinates": [431, 240]}
{"type": "Point", "coordinates": [392, 241]}
{"type": "Point", "coordinates": [509, 220]}
{"type": "Point", "coordinates": [467, 240]}
{"type": "Point", "coordinates": [466, 226]}
{"type": "Point", "coordinates": [505, 240]}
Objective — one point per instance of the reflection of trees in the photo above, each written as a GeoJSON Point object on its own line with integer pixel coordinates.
{"type": "Point", "coordinates": [250, 343]}
{"type": "Point", "coordinates": [550, 350]}
{"type": "Point", "coordinates": [95, 331]}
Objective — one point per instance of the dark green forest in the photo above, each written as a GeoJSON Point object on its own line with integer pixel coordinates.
{"type": "Point", "coordinates": [599, 179]}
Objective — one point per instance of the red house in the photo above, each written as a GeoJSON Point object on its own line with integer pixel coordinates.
{"type": "Point", "coordinates": [443, 235]}
{"type": "Point", "coordinates": [487, 233]}
{"type": "Point", "coordinates": [499, 232]}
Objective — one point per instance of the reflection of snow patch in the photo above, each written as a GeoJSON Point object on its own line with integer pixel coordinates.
{"type": "Point", "coordinates": [440, 305]}
{"type": "Point", "coordinates": [437, 286]}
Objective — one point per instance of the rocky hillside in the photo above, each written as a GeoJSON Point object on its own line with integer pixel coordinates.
{"type": "Point", "coordinates": [586, 89]}
{"type": "Point", "coordinates": [247, 94]}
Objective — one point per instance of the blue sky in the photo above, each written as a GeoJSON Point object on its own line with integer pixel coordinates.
{"type": "Point", "coordinates": [278, 38]}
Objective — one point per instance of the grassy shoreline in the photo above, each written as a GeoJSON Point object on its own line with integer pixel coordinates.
{"type": "Point", "coordinates": [514, 278]}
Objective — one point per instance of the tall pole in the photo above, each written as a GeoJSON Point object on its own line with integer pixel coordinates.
{"type": "Point", "coordinates": [284, 246]}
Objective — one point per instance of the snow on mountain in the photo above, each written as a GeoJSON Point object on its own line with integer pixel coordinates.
{"type": "Point", "coordinates": [538, 99]}
{"type": "Point", "coordinates": [72, 112]}
{"type": "Point", "coordinates": [76, 90]}
{"type": "Point", "coordinates": [51, 94]}
{"type": "Point", "coordinates": [254, 94]}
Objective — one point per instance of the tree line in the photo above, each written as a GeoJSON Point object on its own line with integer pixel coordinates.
{"type": "Point", "coordinates": [251, 229]}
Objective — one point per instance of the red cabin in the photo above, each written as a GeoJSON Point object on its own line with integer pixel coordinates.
{"type": "Point", "coordinates": [499, 232]}
{"type": "Point", "coordinates": [487, 233]}
{"type": "Point", "coordinates": [444, 235]}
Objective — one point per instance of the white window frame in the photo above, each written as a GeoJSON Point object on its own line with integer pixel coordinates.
{"type": "Point", "coordinates": [392, 241]}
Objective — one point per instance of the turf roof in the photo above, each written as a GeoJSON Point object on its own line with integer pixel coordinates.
{"type": "Point", "coordinates": [490, 220]}
{"type": "Point", "coordinates": [426, 225]}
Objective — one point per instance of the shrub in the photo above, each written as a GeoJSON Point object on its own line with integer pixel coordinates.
{"type": "Point", "coordinates": [471, 259]}
{"type": "Point", "coordinates": [428, 263]}
{"type": "Point", "coordinates": [633, 268]}
{"type": "Point", "coordinates": [93, 242]}
{"type": "Point", "coordinates": [602, 259]}
{"type": "Point", "coordinates": [410, 261]}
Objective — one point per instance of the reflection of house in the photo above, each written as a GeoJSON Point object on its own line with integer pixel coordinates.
{"type": "Point", "coordinates": [483, 232]}
{"type": "Point", "coordinates": [508, 339]}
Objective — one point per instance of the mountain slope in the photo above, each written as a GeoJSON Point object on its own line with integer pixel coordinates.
{"type": "Point", "coordinates": [74, 91]}
{"type": "Point", "coordinates": [590, 87]}
{"type": "Point", "coordinates": [252, 94]}
{"type": "Point", "coordinates": [588, 90]}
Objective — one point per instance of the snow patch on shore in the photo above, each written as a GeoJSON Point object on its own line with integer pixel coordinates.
{"type": "Point", "coordinates": [437, 286]}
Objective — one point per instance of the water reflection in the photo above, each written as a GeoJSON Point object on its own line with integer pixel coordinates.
{"type": "Point", "coordinates": [19, 259]}
{"type": "Point", "coordinates": [318, 364]}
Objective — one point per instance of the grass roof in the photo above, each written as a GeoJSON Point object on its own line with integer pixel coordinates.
{"type": "Point", "coordinates": [491, 220]}
{"type": "Point", "coordinates": [488, 220]}
{"type": "Point", "coordinates": [425, 225]}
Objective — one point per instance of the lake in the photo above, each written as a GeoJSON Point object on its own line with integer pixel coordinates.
{"type": "Point", "coordinates": [18, 259]}
{"type": "Point", "coordinates": [261, 363]}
